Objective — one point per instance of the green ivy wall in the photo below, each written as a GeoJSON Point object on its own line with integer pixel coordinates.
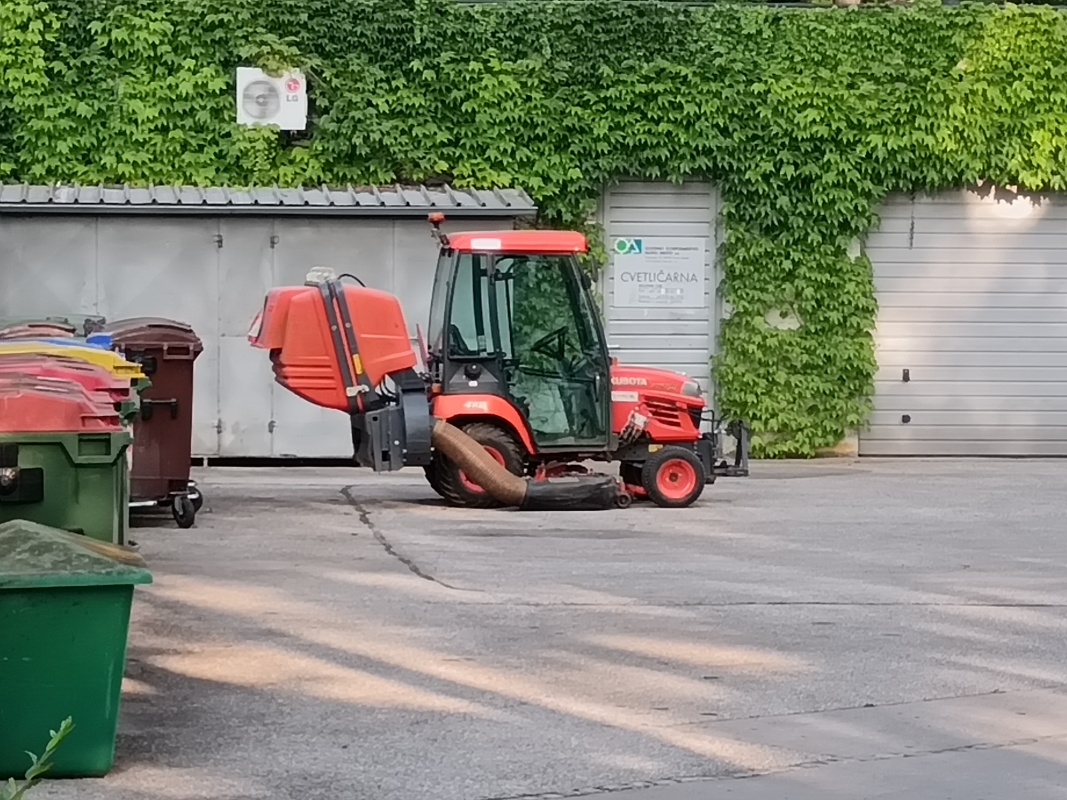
{"type": "Point", "coordinates": [805, 119]}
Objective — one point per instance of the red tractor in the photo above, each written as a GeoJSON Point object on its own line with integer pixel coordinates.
{"type": "Point", "coordinates": [515, 356]}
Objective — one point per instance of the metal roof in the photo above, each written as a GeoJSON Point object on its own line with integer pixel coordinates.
{"type": "Point", "coordinates": [382, 201]}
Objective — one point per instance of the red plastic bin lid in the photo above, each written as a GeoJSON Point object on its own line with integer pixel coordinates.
{"type": "Point", "coordinates": [32, 405]}
{"type": "Point", "coordinates": [94, 378]}
{"type": "Point", "coordinates": [37, 330]}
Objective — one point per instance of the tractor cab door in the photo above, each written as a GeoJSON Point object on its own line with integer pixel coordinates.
{"type": "Point", "coordinates": [557, 369]}
{"type": "Point", "coordinates": [524, 327]}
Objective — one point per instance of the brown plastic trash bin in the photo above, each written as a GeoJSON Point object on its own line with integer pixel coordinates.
{"type": "Point", "coordinates": [163, 429]}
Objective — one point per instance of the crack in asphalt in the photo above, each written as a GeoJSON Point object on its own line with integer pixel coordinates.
{"type": "Point", "coordinates": [368, 523]}
{"type": "Point", "coordinates": [813, 762]}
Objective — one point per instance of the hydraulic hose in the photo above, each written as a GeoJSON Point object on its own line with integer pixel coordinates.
{"type": "Point", "coordinates": [584, 493]}
{"type": "Point", "coordinates": [480, 467]}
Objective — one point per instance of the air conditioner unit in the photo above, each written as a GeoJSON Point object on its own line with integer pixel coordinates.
{"type": "Point", "coordinates": [264, 99]}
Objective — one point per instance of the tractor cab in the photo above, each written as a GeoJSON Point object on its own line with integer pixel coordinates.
{"type": "Point", "coordinates": [512, 323]}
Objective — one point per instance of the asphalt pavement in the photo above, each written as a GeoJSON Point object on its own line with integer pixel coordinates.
{"type": "Point", "coordinates": [832, 629]}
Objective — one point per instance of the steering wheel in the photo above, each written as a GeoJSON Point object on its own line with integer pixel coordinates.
{"type": "Point", "coordinates": [579, 366]}
{"type": "Point", "coordinates": [559, 335]}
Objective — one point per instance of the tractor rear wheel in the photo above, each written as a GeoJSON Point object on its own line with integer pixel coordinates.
{"type": "Point", "coordinates": [454, 485]}
{"type": "Point", "coordinates": [673, 477]}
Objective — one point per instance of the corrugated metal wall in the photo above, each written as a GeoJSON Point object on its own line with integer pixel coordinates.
{"type": "Point", "coordinates": [675, 338]}
{"type": "Point", "coordinates": [972, 326]}
{"type": "Point", "coordinates": [179, 267]}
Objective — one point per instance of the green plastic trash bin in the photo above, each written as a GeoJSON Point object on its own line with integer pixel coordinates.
{"type": "Point", "coordinates": [62, 459]}
{"type": "Point", "coordinates": [64, 623]}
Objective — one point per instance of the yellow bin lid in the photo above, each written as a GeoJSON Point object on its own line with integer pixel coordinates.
{"type": "Point", "coordinates": [108, 359]}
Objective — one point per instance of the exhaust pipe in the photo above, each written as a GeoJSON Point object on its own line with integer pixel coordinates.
{"type": "Point", "coordinates": [579, 493]}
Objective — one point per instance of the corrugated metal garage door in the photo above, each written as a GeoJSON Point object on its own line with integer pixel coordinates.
{"type": "Point", "coordinates": [972, 326]}
{"type": "Point", "coordinates": [679, 334]}
{"type": "Point", "coordinates": [213, 272]}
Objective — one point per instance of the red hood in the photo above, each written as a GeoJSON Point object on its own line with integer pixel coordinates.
{"type": "Point", "coordinates": [647, 378]}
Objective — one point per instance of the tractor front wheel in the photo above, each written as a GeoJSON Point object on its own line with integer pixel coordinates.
{"type": "Point", "coordinates": [673, 477]}
{"type": "Point", "coordinates": [454, 485]}
{"type": "Point", "coordinates": [431, 477]}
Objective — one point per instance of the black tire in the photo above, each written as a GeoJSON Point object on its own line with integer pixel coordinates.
{"type": "Point", "coordinates": [431, 477]}
{"type": "Point", "coordinates": [184, 511]}
{"type": "Point", "coordinates": [449, 475]}
{"type": "Point", "coordinates": [673, 477]}
{"type": "Point", "coordinates": [196, 497]}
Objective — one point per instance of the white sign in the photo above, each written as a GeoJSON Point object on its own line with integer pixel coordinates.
{"type": "Point", "coordinates": [659, 272]}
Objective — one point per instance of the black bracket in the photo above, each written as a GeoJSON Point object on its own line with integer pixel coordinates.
{"type": "Point", "coordinates": [738, 431]}
{"type": "Point", "coordinates": [147, 407]}
{"type": "Point", "coordinates": [148, 363]}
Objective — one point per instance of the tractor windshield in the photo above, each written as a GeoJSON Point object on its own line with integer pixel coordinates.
{"type": "Point", "coordinates": [474, 324]}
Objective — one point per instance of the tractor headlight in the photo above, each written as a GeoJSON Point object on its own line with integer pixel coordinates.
{"type": "Point", "coordinates": [692, 389]}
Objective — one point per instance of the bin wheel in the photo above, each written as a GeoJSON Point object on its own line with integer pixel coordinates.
{"type": "Point", "coordinates": [196, 499]}
{"type": "Point", "coordinates": [184, 511]}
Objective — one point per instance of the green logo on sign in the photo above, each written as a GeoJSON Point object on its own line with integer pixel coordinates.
{"type": "Point", "coordinates": [629, 247]}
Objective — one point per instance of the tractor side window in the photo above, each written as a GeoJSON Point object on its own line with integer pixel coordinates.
{"type": "Point", "coordinates": [435, 332]}
{"type": "Point", "coordinates": [474, 330]}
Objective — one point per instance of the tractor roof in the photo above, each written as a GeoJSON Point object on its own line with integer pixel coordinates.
{"type": "Point", "coordinates": [534, 242]}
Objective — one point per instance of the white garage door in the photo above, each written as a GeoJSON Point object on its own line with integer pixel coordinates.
{"type": "Point", "coordinates": [660, 287]}
{"type": "Point", "coordinates": [972, 326]}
